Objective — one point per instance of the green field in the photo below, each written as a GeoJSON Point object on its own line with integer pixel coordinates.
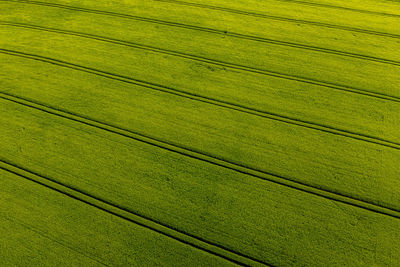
{"type": "Point", "coordinates": [199, 133]}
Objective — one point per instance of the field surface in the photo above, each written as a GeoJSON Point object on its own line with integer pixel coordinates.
{"type": "Point", "coordinates": [199, 133]}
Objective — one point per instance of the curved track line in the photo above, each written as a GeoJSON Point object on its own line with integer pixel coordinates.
{"type": "Point", "coordinates": [339, 7]}
{"type": "Point", "coordinates": [227, 64]}
{"type": "Point", "coordinates": [131, 216]}
{"type": "Point", "coordinates": [236, 35]}
{"type": "Point", "coordinates": [109, 13]}
{"type": "Point", "coordinates": [203, 156]}
{"type": "Point", "coordinates": [279, 18]}
{"type": "Point", "coordinates": [49, 237]}
{"type": "Point", "coordinates": [211, 101]}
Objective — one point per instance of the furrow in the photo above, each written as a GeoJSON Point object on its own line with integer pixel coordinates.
{"type": "Point", "coordinates": [203, 156]}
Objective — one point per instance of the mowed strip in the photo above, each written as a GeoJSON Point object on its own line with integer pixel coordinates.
{"type": "Point", "coordinates": [41, 226]}
{"type": "Point", "coordinates": [260, 29]}
{"type": "Point", "coordinates": [272, 223]}
{"type": "Point", "coordinates": [255, 90]}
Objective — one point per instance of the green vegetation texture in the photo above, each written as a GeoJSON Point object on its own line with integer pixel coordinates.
{"type": "Point", "coordinates": [199, 133]}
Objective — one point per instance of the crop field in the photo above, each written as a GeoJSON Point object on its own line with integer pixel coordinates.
{"type": "Point", "coordinates": [199, 133]}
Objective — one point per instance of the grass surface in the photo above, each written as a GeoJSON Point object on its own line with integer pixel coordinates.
{"type": "Point", "coordinates": [78, 234]}
{"type": "Point", "coordinates": [172, 133]}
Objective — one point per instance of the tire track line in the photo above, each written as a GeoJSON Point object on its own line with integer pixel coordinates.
{"type": "Point", "coordinates": [306, 3]}
{"type": "Point", "coordinates": [279, 18]}
{"type": "Point", "coordinates": [49, 237]}
{"type": "Point", "coordinates": [131, 216]}
{"type": "Point", "coordinates": [211, 101]}
{"type": "Point", "coordinates": [339, 87]}
{"type": "Point", "coordinates": [115, 14]}
{"type": "Point", "coordinates": [236, 35]}
{"type": "Point", "coordinates": [203, 156]}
